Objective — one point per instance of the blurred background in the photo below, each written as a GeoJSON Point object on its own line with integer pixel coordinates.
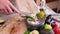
{"type": "Point", "coordinates": [53, 4]}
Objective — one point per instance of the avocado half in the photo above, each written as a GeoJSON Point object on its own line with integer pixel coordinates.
{"type": "Point", "coordinates": [34, 32]}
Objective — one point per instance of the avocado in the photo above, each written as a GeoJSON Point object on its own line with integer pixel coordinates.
{"type": "Point", "coordinates": [34, 32]}
{"type": "Point", "coordinates": [47, 27]}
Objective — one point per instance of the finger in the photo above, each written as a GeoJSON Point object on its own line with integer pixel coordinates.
{"type": "Point", "coordinates": [1, 10]}
{"type": "Point", "coordinates": [5, 10]}
{"type": "Point", "coordinates": [11, 5]}
{"type": "Point", "coordinates": [9, 9]}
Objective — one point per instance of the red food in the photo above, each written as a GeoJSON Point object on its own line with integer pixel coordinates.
{"type": "Point", "coordinates": [56, 28]}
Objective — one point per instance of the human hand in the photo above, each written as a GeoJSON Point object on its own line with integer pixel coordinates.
{"type": "Point", "coordinates": [7, 7]}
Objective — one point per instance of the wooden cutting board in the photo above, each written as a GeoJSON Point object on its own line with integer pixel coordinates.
{"type": "Point", "coordinates": [14, 25]}
{"type": "Point", "coordinates": [20, 26]}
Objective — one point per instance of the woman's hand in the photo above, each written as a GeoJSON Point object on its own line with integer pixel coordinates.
{"type": "Point", "coordinates": [7, 7]}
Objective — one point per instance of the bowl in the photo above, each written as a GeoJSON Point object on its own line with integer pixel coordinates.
{"type": "Point", "coordinates": [31, 25]}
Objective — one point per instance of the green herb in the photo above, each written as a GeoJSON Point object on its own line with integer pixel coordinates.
{"type": "Point", "coordinates": [27, 32]}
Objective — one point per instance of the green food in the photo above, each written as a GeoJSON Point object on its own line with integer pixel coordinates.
{"type": "Point", "coordinates": [34, 32]}
{"type": "Point", "coordinates": [47, 27]}
{"type": "Point", "coordinates": [1, 21]}
{"type": "Point", "coordinates": [27, 32]}
{"type": "Point", "coordinates": [38, 16]}
{"type": "Point", "coordinates": [41, 14]}
{"type": "Point", "coordinates": [30, 19]}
